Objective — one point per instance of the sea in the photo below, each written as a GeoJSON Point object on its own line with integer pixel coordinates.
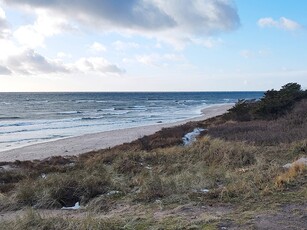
{"type": "Point", "coordinates": [30, 118]}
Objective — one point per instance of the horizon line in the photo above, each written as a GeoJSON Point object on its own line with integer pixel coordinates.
{"type": "Point", "coordinates": [213, 91]}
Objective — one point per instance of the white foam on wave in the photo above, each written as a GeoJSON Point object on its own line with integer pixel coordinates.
{"type": "Point", "coordinates": [5, 103]}
{"type": "Point", "coordinates": [69, 112]}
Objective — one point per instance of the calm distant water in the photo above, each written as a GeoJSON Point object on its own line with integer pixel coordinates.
{"type": "Point", "coordinates": [29, 118]}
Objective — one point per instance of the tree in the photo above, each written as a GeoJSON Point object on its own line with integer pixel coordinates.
{"type": "Point", "coordinates": [242, 110]}
{"type": "Point", "coordinates": [277, 103]}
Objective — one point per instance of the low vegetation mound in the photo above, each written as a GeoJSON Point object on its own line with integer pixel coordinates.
{"type": "Point", "coordinates": [285, 129]}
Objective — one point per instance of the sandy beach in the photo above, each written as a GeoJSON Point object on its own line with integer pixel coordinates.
{"type": "Point", "coordinates": [86, 143]}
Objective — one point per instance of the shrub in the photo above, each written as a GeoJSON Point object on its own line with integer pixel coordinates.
{"type": "Point", "coordinates": [271, 106]}
{"type": "Point", "coordinates": [286, 129]}
{"type": "Point", "coordinates": [277, 103]}
{"type": "Point", "coordinates": [242, 111]}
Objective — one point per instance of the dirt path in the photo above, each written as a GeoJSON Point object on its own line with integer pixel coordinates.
{"type": "Point", "coordinates": [289, 216]}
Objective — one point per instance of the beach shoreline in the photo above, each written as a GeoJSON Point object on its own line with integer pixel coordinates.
{"type": "Point", "coordinates": [91, 142]}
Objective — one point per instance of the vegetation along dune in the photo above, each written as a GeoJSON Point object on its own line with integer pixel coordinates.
{"type": "Point", "coordinates": [153, 114]}
{"type": "Point", "coordinates": [233, 176]}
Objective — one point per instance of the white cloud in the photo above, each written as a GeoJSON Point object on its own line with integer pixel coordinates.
{"type": "Point", "coordinates": [246, 53]}
{"type": "Point", "coordinates": [2, 14]}
{"type": "Point", "coordinates": [29, 36]}
{"type": "Point", "coordinates": [104, 13]}
{"type": "Point", "coordinates": [120, 45]}
{"type": "Point", "coordinates": [159, 60]}
{"type": "Point", "coordinates": [282, 23]}
{"type": "Point", "coordinates": [207, 42]}
{"type": "Point", "coordinates": [4, 28]}
{"type": "Point", "coordinates": [34, 35]}
{"type": "Point", "coordinates": [4, 70]}
{"type": "Point", "coordinates": [62, 55]}
{"type": "Point", "coordinates": [96, 64]}
{"type": "Point", "coordinates": [267, 22]}
{"type": "Point", "coordinates": [288, 24]}
{"type": "Point", "coordinates": [171, 21]}
{"type": "Point", "coordinates": [8, 48]}
{"type": "Point", "coordinates": [201, 16]}
{"type": "Point", "coordinates": [28, 62]}
{"type": "Point", "coordinates": [97, 47]}
{"type": "Point", "coordinates": [148, 59]}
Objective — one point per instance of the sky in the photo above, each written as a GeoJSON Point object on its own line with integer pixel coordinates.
{"type": "Point", "coordinates": [152, 45]}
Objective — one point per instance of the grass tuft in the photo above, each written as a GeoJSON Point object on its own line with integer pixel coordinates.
{"type": "Point", "coordinates": [290, 175]}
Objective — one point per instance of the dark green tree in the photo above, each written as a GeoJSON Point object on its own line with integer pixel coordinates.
{"type": "Point", "coordinates": [277, 103]}
{"type": "Point", "coordinates": [272, 105]}
{"type": "Point", "coordinates": [242, 110]}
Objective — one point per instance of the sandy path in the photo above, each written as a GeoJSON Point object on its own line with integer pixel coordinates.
{"type": "Point", "coordinates": [89, 142]}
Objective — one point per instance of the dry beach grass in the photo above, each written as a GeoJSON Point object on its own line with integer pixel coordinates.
{"type": "Point", "coordinates": [221, 181]}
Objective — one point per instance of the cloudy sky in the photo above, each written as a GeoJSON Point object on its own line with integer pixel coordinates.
{"type": "Point", "coordinates": [152, 45]}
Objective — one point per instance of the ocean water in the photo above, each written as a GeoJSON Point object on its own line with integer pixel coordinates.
{"type": "Point", "coordinates": [30, 118]}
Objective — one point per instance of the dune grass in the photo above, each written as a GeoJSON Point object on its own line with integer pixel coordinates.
{"type": "Point", "coordinates": [234, 163]}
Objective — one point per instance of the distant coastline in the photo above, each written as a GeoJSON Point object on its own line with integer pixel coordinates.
{"type": "Point", "coordinates": [32, 118]}
{"type": "Point", "coordinates": [91, 142]}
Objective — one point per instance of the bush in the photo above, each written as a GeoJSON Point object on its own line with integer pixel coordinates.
{"type": "Point", "coordinates": [242, 111]}
{"type": "Point", "coordinates": [286, 129]}
{"type": "Point", "coordinates": [277, 103]}
{"type": "Point", "coordinates": [274, 104]}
